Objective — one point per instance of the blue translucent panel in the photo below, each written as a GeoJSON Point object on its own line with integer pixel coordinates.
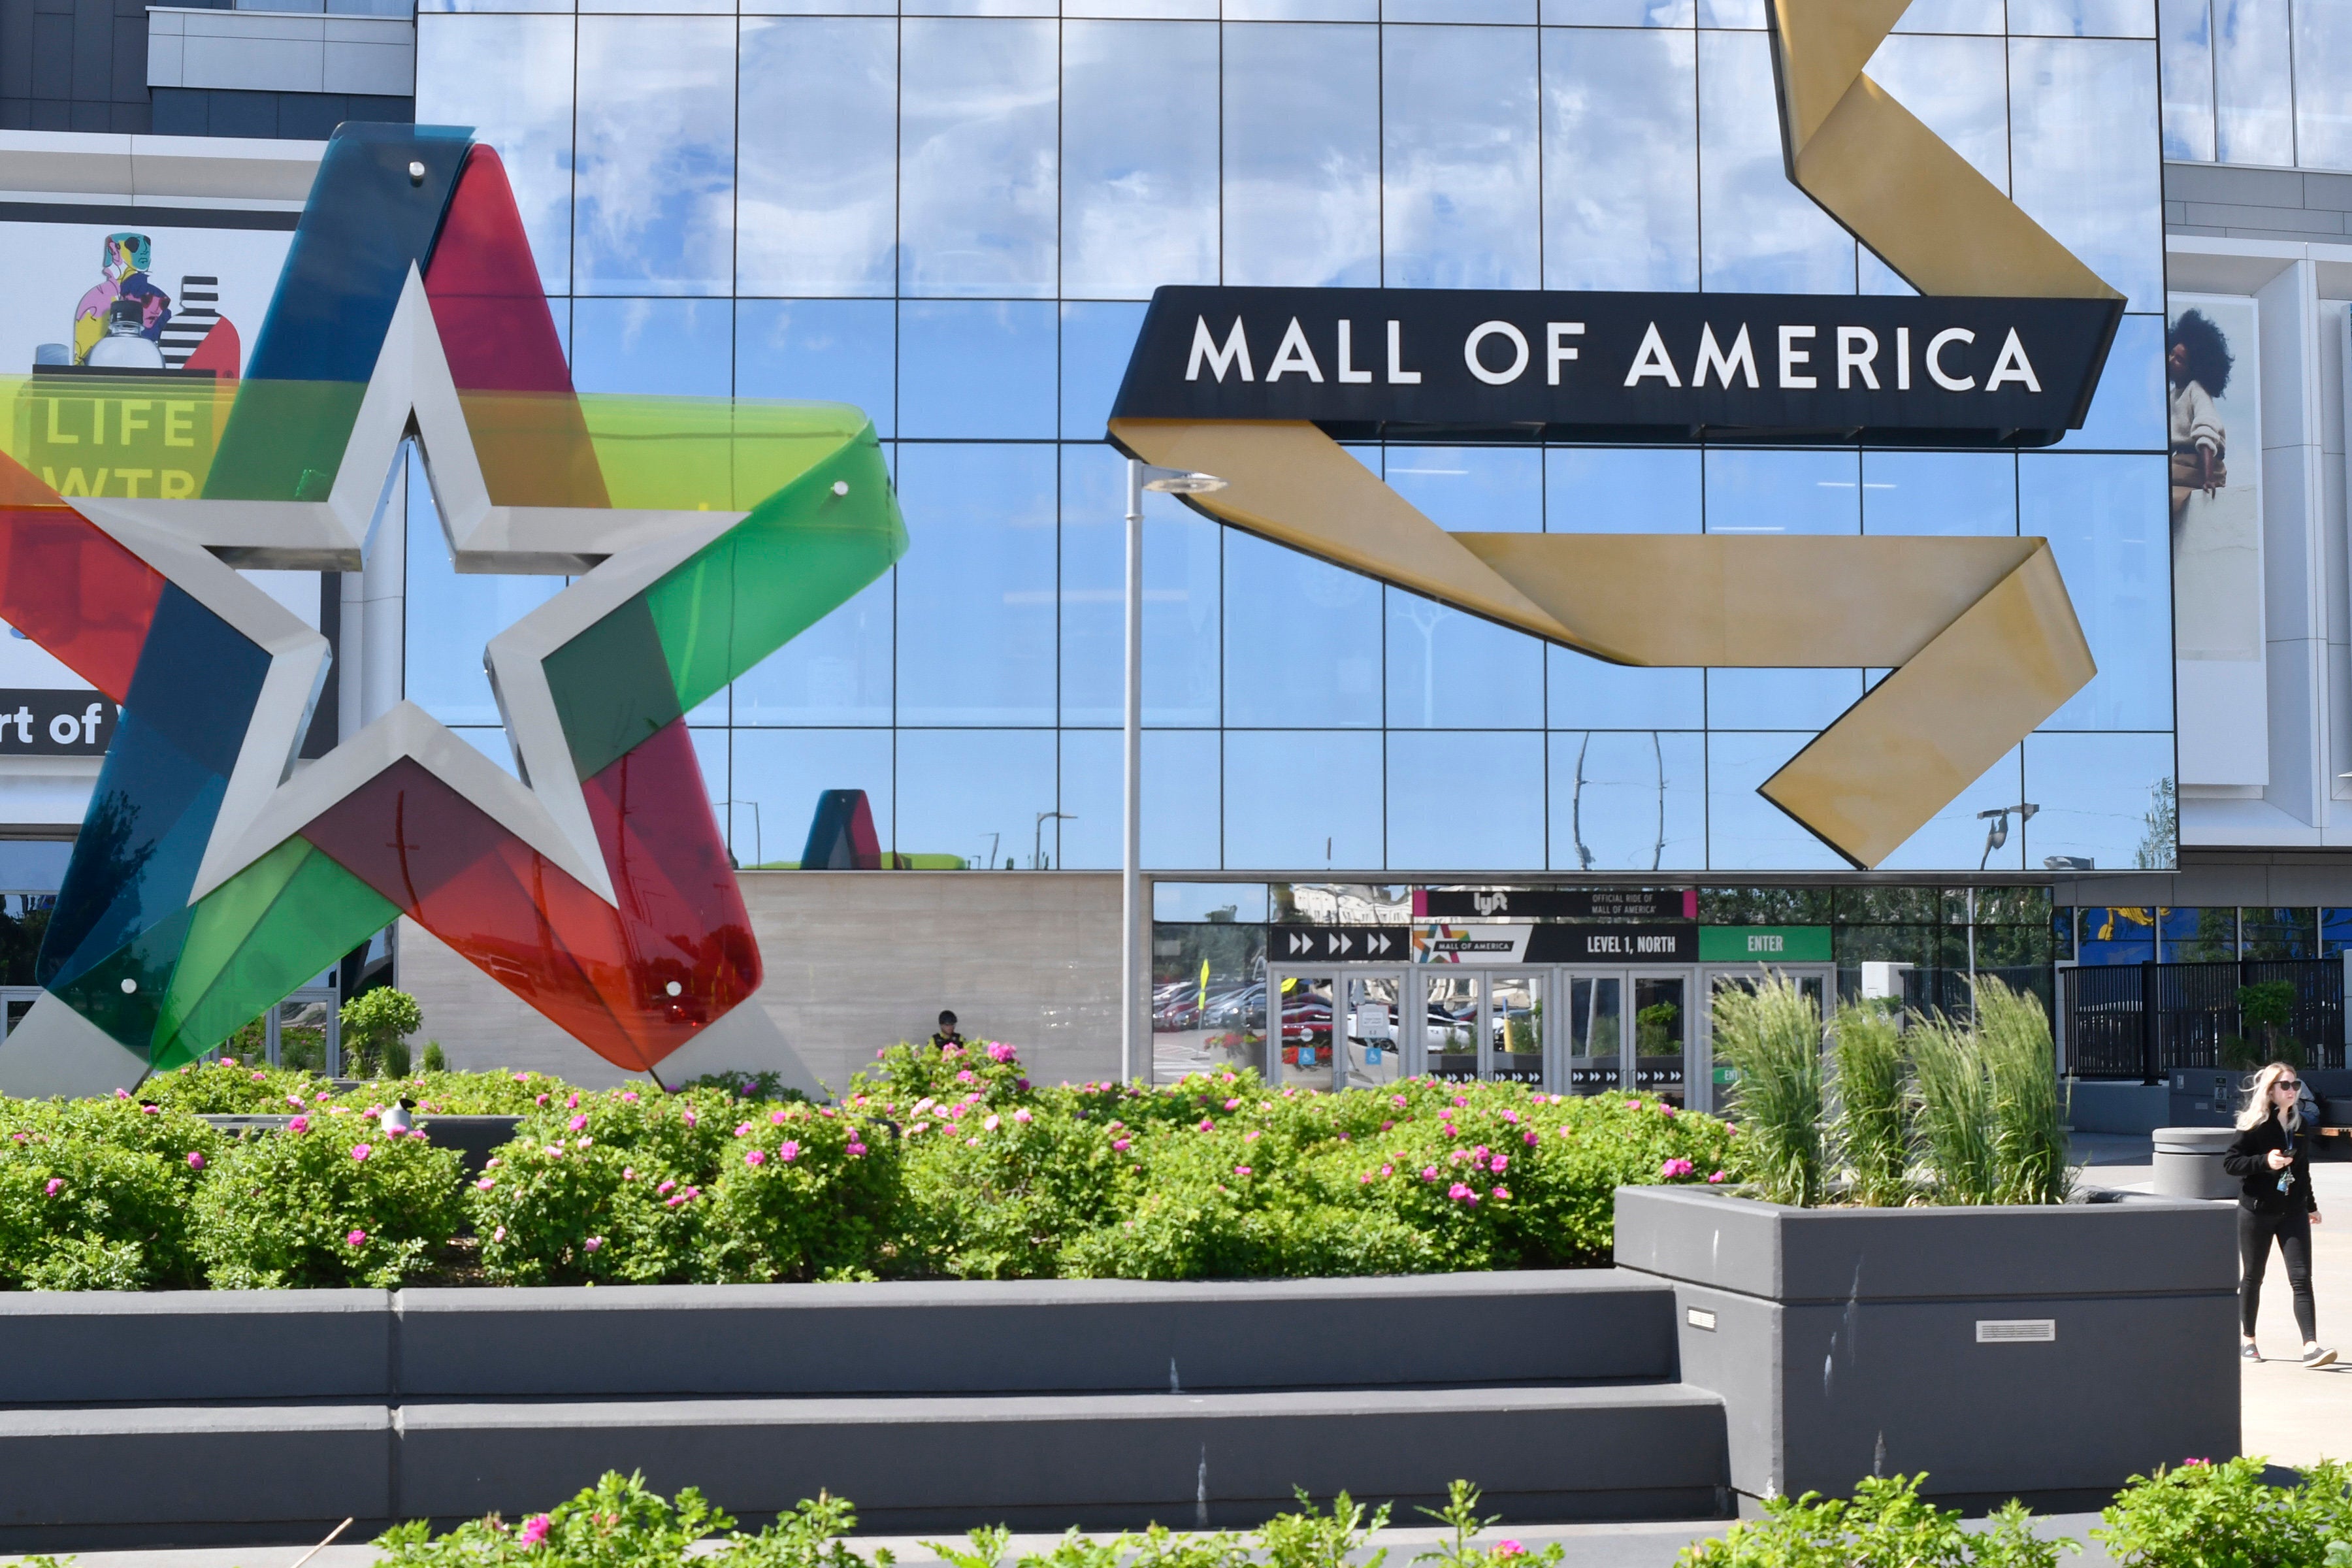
{"type": "Point", "coordinates": [1604, 489]}
{"type": "Point", "coordinates": [2117, 935]}
{"type": "Point", "coordinates": [1097, 339]}
{"type": "Point", "coordinates": [835, 350]}
{"type": "Point", "coordinates": [1621, 159]}
{"type": "Point", "coordinates": [1956, 837]}
{"type": "Point", "coordinates": [1782, 699]}
{"type": "Point", "coordinates": [2334, 931]}
{"type": "Point", "coordinates": [1783, 493]}
{"type": "Point", "coordinates": [780, 774]}
{"type": "Point", "coordinates": [1447, 669]}
{"type": "Point", "coordinates": [2107, 520]}
{"type": "Point", "coordinates": [450, 619]}
{"type": "Point", "coordinates": [1592, 693]}
{"type": "Point", "coordinates": [2105, 800]}
{"type": "Point", "coordinates": [1959, 87]}
{"type": "Point", "coordinates": [1618, 13]}
{"type": "Point", "coordinates": [1242, 903]}
{"type": "Point", "coordinates": [1744, 830]}
{"type": "Point", "coordinates": [1758, 234]}
{"type": "Point", "coordinates": [2127, 410]}
{"type": "Point", "coordinates": [1302, 640]}
{"type": "Point", "coordinates": [135, 860]}
{"type": "Point", "coordinates": [655, 186]}
{"type": "Point", "coordinates": [2192, 936]}
{"type": "Point", "coordinates": [816, 204]}
{"type": "Point", "coordinates": [1462, 203]}
{"type": "Point", "coordinates": [1302, 156]}
{"type": "Point", "coordinates": [1466, 800]}
{"type": "Point", "coordinates": [976, 645]}
{"type": "Point", "coordinates": [978, 170]}
{"type": "Point", "coordinates": [197, 681]}
{"type": "Point", "coordinates": [1181, 581]}
{"type": "Point", "coordinates": [1474, 490]}
{"type": "Point", "coordinates": [1180, 799]}
{"type": "Point", "coordinates": [2085, 19]}
{"type": "Point", "coordinates": [1628, 802]}
{"type": "Point", "coordinates": [510, 78]}
{"type": "Point", "coordinates": [978, 793]}
{"type": "Point", "coordinates": [2185, 64]}
{"type": "Point", "coordinates": [976, 369]}
{"type": "Point", "coordinates": [1139, 157]}
{"type": "Point", "coordinates": [1303, 800]}
{"type": "Point", "coordinates": [836, 672]}
{"type": "Point", "coordinates": [1945, 493]}
{"type": "Point", "coordinates": [2082, 119]}
{"type": "Point", "coordinates": [2253, 54]}
{"type": "Point", "coordinates": [675, 348]}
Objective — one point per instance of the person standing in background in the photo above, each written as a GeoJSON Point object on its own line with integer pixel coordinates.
{"type": "Point", "coordinates": [2271, 1158]}
{"type": "Point", "coordinates": [947, 1035]}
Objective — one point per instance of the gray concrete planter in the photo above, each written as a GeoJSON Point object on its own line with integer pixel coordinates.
{"type": "Point", "coordinates": [2049, 1353]}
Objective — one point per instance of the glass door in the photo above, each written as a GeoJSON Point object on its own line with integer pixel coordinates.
{"type": "Point", "coordinates": [1514, 1028]}
{"type": "Point", "coordinates": [1708, 1081]}
{"type": "Point", "coordinates": [1304, 1057]}
{"type": "Point", "coordinates": [1661, 1035]}
{"type": "Point", "coordinates": [1593, 1031]}
{"type": "Point", "coordinates": [1373, 1032]}
{"type": "Point", "coordinates": [1451, 1023]}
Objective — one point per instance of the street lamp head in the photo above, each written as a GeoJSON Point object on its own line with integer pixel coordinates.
{"type": "Point", "coordinates": [1180, 481]}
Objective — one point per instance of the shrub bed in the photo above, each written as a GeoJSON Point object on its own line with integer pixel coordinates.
{"type": "Point", "coordinates": [932, 1165]}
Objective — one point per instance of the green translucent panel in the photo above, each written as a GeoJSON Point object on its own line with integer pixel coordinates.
{"type": "Point", "coordinates": [802, 552]}
{"type": "Point", "coordinates": [147, 961]}
{"type": "Point", "coordinates": [256, 938]}
{"type": "Point", "coordinates": [287, 442]}
{"type": "Point", "coordinates": [681, 453]}
{"type": "Point", "coordinates": [612, 687]}
{"type": "Point", "coordinates": [94, 435]}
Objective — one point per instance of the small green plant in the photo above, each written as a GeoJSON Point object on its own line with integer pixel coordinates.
{"type": "Point", "coordinates": [1310, 1539]}
{"type": "Point", "coordinates": [1887, 1525]}
{"type": "Point", "coordinates": [617, 1523]}
{"type": "Point", "coordinates": [2228, 1515]}
{"type": "Point", "coordinates": [1871, 1128]}
{"type": "Point", "coordinates": [765, 1084]}
{"type": "Point", "coordinates": [377, 1026]}
{"type": "Point", "coordinates": [1771, 1035]}
{"type": "Point", "coordinates": [1460, 1517]}
{"type": "Point", "coordinates": [2267, 1005]}
{"type": "Point", "coordinates": [435, 1058]}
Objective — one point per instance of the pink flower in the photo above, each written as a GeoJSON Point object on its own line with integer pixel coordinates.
{"type": "Point", "coordinates": [578, 1124]}
{"type": "Point", "coordinates": [1396, 1100]}
{"type": "Point", "coordinates": [663, 1189]}
{"type": "Point", "coordinates": [690, 1118]}
{"type": "Point", "coordinates": [1241, 1170]}
{"type": "Point", "coordinates": [195, 1161]}
{"type": "Point", "coordinates": [1665, 1109]}
{"type": "Point", "coordinates": [1511, 1116]}
{"type": "Point", "coordinates": [1206, 1125]}
{"type": "Point", "coordinates": [775, 1118]}
{"type": "Point", "coordinates": [1023, 1115]}
{"type": "Point", "coordinates": [572, 1103]}
{"type": "Point", "coordinates": [855, 1149]}
{"type": "Point", "coordinates": [360, 1152]}
{"type": "Point", "coordinates": [260, 1075]}
{"type": "Point", "coordinates": [629, 1097]}
{"type": "Point", "coordinates": [299, 1124]}
{"type": "Point", "coordinates": [1720, 1178]}
{"type": "Point", "coordinates": [50, 1191]}
{"type": "Point", "coordinates": [754, 1159]}
{"type": "Point", "coordinates": [1429, 1172]}
{"type": "Point", "coordinates": [1233, 1105]}
{"type": "Point", "coordinates": [1530, 1137]}
{"type": "Point", "coordinates": [356, 1238]}
{"type": "Point", "coordinates": [1510, 1548]}
{"type": "Point", "coordinates": [743, 1130]}
{"type": "Point", "coordinates": [522, 1077]}
{"type": "Point", "coordinates": [2186, 1463]}
{"type": "Point", "coordinates": [541, 1099]}
{"type": "Point", "coordinates": [1499, 1164]}
{"type": "Point", "coordinates": [500, 1234]}
{"type": "Point", "coordinates": [123, 1094]}
{"type": "Point", "coordinates": [991, 1124]}
{"type": "Point", "coordinates": [1459, 1099]}
{"type": "Point", "coordinates": [1677, 1166]}
{"type": "Point", "coordinates": [150, 1111]}
{"type": "Point", "coordinates": [788, 1151]}
{"type": "Point", "coordinates": [1000, 1053]}
{"type": "Point", "coordinates": [628, 1172]}
{"type": "Point", "coordinates": [1386, 1125]}
{"type": "Point", "coordinates": [295, 1101]}
{"type": "Point", "coordinates": [534, 1530]}
{"type": "Point", "coordinates": [965, 1076]}
{"type": "Point", "coordinates": [1119, 1146]}
{"type": "Point", "coordinates": [1460, 1193]}
{"type": "Point", "coordinates": [1253, 1134]}
{"type": "Point", "coordinates": [1632, 1105]}
{"type": "Point", "coordinates": [486, 1184]}
{"type": "Point", "coordinates": [1502, 1193]}
{"type": "Point", "coordinates": [594, 1242]}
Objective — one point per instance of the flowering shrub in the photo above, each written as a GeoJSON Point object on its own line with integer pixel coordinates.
{"type": "Point", "coordinates": [1887, 1525]}
{"type": "Point", "coordinates": [232, 1087]}
{"type": "Point", "coordinates": [94, 1194]}
{"type": "Point", "coordinates": [803, 1193]}
{"type": "Point", "coordinates": [334, 1200]}
{"type": "Point", "coordinates": [2203, 1512]}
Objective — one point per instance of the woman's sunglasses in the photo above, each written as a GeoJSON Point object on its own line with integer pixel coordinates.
{"type": "Point", "coordinates": [2289, 1084]}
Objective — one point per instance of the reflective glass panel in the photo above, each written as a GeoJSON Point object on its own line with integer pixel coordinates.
{"type": "Point", "coordinates": [977, 369]}
{"type": "Point", "coordinates": [1641, 489]}
{"type": "Point", "coordinates": [2197, 936]}
{"type": "Point", "coordinates": [836, 672]}
{"type": "Point", "coordinates": [1302, 640]}
{"type": "Point", "coordinates": [977, 585]}
{"type": "Point", "coordinates": [1938, 492]}
{"type": "Point", "coordinates": [509, 77]}
{"type": "Point", "coordinates": [769, 799]}
{"type": "Point", "coordinates": [1590, 693]}
{"type": "Point", "coordinates": [978, 793]}
{"type": "Point", "coordinates": [2322, 84]}
{"type": "Point", "coordinates": [1305, 1059]}
{"type": "Point", "coordinates": [1302, 800]}
{"type": "Point", "coordinates": [1595, 1041]}
{"type": "Point", "coordinates": [2127, 411]}
{"type": "Point", "coordinates": [1302, 156]}
{"type": "Point", "coordinates": [1621, 158]}
{"type": "Point", "coordinates": [838, 351]}
{"type": "Point", "coordinates": [1488, 490]}
{"type": "Point", "coordinates": [1180, 799]}
{"type": "Point", "coordinates": [655, 181]}
{"type": "Point", "coordinates": [2334, 931]}
{"type": "Point", "coordinates": [818, 199]}
{"type": "Point", "coordinates": [1956, 835]}
{"type": "Point", "coordinates": [2117, 935]}
{"type": "Point", "coordinates": [1180, 599]}
{"type": "Point", "coordinates": [1661, 1029]}
{"type": "Point", "coordinates": [1784, 698]}
{"type": "Point", "coordinates": [678, 348]}
{"type": "Point", "coordinates": [1461, 206]}
{"type": "Point", "coordinates": [1450, 1024]}
{"type": "Point", "coordinates": [2083, 115]}
{"type": "Point", "coordinates": [1618, 13]}
{"type": "Point", "coordinates": [450, 619]}
{"type": "Point", "coordinates": [2252, 119]}
{"type": "Point", "coordinates": [978, 174]}
{"type": "Point", "coordinates": [2083, 19]}
{"type": "Point", "coordinates": [1139, 157]}
{"type": "Point", "coordinates": [1514, 1028]}
{"type": "Point", "coordinates": [1744, 830]}
{"type": "Point", "coordinates": [1465, 800]}
{"type": "Point", "coordinates": [1959, 87]}
{"type": "Point", "coordinates": [1758, 232]}
{"type": "Point", "coordinates": [2108, 525]}
{"type": "Point", "coordinates": [1374, 1043]}
{"type": "Point", "coordinates": [2106, 801]}
{"type": "Point", "coordinates": [1628, 801]}
{"type": "Point", "coordinates": [2274, 933]}
{"type": "Point", "coordinates": [2185, 35]}
{"type": "Point", "coordinates": [1783, 493]}
{"type": "Point", "coordinates": [1448, 670]}
{"type": "Point", "coordinates": [1097, 339]}
{"type": "Point", "coordinates": [1953, 17]}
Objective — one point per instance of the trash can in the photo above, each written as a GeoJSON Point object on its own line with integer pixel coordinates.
{"type": "Point", "coordinates": [2188, 1163]}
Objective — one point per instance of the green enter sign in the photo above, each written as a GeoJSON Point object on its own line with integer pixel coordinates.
{"type": "Point", "coordinates": [1764, 945]}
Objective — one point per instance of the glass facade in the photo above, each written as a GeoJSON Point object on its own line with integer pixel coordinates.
{"type": "Point", "coordinates": [2217, 934]}
{"type": "Point", "coordinates": [2257, 81]}
{"type": "Point", "coordinates": [953, 220]}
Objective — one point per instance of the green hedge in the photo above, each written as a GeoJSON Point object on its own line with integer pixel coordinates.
{"type": "Point", "coordinates": [931, 1166]}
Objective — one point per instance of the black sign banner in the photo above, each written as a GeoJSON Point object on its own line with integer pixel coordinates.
{"type": "Point", "coordinates": [35, 722]}
{"type": "Point", "coordinates": [1349, 944]}
{"type": "Point", "coordinates": [1516, 364]}
{"type": "Point", "coordinates": [1613, 944]}
{"type": "Point", "coordinates": [1552, 903]}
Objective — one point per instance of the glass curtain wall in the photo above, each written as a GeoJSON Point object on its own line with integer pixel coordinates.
{"type": "Point", "coordinates": [954, 221]}
{"type": "Point", "coordinates": [2258, 81]}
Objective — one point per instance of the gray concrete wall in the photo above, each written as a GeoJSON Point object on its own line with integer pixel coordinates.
{"type": "Point", "coordinates": [855, 960]}
{"type": "Point", "coordinates": [2235, 203]}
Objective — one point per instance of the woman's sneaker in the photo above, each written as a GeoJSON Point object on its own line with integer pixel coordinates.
{"type": "Point", "coordinates": [2250, 1352]}
{"type": "Point", "coordinates": [2317, 1356]}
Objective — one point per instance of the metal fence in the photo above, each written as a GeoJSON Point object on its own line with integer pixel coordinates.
{"type": "Point", "coordinates": [2140, 1021]}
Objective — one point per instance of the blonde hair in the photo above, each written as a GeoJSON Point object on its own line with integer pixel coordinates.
{"type": "Point", "coordinates": [2258, 1100]}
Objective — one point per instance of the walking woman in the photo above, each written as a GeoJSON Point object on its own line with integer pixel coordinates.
{"type": "Point", "coordinates": [2272, 1157]}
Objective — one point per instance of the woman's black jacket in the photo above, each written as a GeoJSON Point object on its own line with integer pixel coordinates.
{"type": "Point", "coordinates": [2259, 1183]}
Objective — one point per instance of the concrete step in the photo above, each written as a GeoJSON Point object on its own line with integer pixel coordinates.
{"type": "Point", "coordinates": [131, 1476]}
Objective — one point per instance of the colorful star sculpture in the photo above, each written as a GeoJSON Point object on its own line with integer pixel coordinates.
{"type": "Point", "coordinates": [214, 873]}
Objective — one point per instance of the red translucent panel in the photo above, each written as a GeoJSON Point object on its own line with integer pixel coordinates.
{"type": "Point", "coordinates": [601, 973]}
{"type": "Point", "coordinates": [67, 586]}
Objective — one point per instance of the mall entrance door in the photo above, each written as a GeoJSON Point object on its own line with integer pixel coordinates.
{"type": "Point", "coordinates": [1817, 982]}
{"type": "Point", "coordinates": [1627, 1031]}
{"type": "Point", "coordinates": [1343, 1028]}
{"type": "Point", "coordinates": [1482, 1024]}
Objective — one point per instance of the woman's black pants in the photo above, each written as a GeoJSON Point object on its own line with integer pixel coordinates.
{"type": "Point", "coordinates": [2293, 1233]}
